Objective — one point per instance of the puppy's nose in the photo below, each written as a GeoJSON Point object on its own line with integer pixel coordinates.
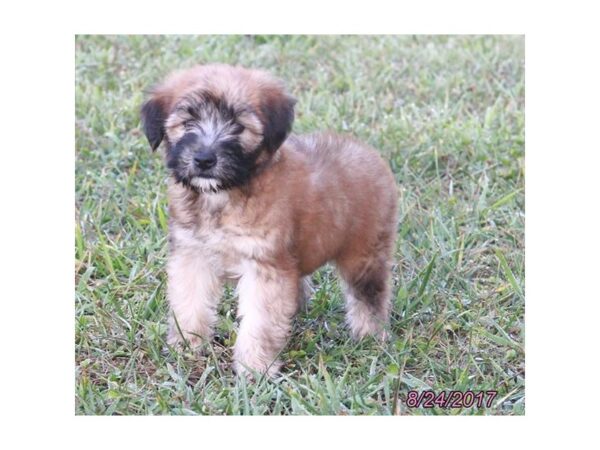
{"type": "Point", "coordinates": [205, 160]}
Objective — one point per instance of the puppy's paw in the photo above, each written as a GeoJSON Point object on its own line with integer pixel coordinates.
{"type": "Point", "coordinates": [254, 372]}
{"type": "Point", "coordinates": [179, 342]}
{"type": "Point", "coordinates": [375, 329]}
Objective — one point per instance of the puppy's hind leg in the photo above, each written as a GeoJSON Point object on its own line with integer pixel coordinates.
{"type": "Point", "coordinates": [366, 287]}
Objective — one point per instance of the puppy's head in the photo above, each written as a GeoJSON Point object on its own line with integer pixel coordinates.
{"type": "Point", "coordinates": [219, 123]}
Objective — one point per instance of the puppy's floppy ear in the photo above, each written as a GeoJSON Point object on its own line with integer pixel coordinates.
{"type": "Point", "coordinates": [277, 110]}
{"type": "Point", "coordinates": [153, 121]}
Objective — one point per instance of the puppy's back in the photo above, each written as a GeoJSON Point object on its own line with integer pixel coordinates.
{"type": "Point", "coordinates": [355, 167]}
{"type": "Point", "coordinates": [352, 185]}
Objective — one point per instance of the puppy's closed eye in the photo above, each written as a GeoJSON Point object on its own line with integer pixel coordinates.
{"type": "Point", "coordinates": [237, 128]}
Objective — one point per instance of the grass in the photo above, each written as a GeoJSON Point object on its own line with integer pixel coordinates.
{"type": "Point", "coordinates": [448, 114]}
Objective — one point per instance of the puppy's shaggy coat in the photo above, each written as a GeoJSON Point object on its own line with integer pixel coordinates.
{"type": "Point", "coordinates": [251, 204]}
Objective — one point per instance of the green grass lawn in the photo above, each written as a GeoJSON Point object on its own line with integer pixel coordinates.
{"type": "Point", "coordinates": [448, 114]}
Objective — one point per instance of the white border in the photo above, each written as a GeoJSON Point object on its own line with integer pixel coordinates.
{"type": "Point", "coordinates": [562, 225]}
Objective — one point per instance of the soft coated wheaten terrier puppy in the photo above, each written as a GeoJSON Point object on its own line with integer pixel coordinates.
{"type": "Point", "coordinates": [248, 202]}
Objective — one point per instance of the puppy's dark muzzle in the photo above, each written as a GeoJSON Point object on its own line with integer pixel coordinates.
{"type": "Point", "coordinates": [205, 160]}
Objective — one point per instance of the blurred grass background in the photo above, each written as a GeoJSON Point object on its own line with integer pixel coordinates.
{"type": "Point", "coordinates": [448, 114]}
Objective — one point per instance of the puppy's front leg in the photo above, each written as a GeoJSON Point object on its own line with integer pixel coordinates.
{"type": "Point", "coordinates": [194, 290]}
{"type": "Point", "coordinates": [268, 301]}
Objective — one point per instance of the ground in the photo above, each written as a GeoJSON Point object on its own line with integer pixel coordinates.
{"type": "Point", "coordinates": [446, 112]}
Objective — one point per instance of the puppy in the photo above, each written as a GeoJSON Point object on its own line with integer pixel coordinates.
{"type": "Point", "coordinates": [251, 203]}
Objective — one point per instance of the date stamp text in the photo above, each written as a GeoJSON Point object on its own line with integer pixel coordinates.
{"type": "Point", "coordinates": [450, 399]}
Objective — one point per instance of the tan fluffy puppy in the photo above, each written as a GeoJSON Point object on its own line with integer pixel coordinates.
{"type": "Point", "coordinates": [250, 203]}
